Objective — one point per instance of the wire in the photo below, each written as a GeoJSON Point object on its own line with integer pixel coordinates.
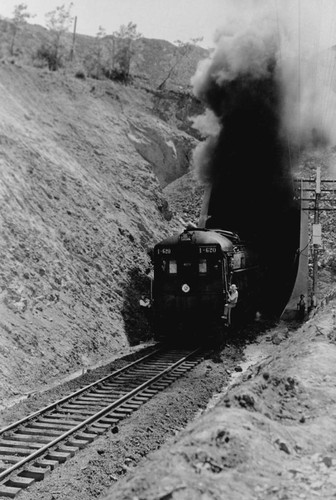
{"type": "Point", "coordinates": [300, 252]}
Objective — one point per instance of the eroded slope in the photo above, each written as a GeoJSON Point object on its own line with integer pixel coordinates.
{"type": "Point", "coordinates": [79, 209]}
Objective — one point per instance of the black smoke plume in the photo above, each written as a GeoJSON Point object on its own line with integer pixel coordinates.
{"type": "Point", "coordinates": [246, 159]}
{"type": "Point", "coordinates": [268, 89]}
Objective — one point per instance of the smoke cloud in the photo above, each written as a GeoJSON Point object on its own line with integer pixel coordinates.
{"type": "Point", "coordinates": [279, 50]}
{"type": "Point", "coordinates": [267, 88]}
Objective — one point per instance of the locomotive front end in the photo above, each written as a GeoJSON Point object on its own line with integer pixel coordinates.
{"type": "Point", "coordinates": [189, 281]}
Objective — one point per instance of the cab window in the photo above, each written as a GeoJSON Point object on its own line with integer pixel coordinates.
{"type": "Point", "coordinates": [202, 266]}
{"type": "Point", "coordinates": [172, 267]}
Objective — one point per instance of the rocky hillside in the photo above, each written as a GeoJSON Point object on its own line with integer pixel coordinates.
{"type": "Point", "coordinates": [83, 166]}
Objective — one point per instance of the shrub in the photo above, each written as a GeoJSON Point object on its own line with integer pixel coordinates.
{"type": "Point", "coordinates": [117, 75]}
{"type": "Point", "coordinates": [48, 55]}
{"type": "Point", "coordinates": [80, 74]}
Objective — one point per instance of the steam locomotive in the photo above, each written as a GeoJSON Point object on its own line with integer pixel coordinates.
{"type": "Point", "coordinates": [193, 271]}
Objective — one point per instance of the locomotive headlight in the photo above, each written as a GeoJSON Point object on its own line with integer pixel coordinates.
{"type": "Point", "coordinates": [185, 288]}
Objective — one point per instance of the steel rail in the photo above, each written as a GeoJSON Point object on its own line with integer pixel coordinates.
{"type": "Point", "coordinates": [91, 419]}
{"type": "Point", "coordinates": [77, 393]}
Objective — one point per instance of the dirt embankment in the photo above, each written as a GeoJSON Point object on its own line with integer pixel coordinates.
{"type": "Point", "coordinates": [81, 204]}
{"type": "Point", "coordinates": [271, 434]}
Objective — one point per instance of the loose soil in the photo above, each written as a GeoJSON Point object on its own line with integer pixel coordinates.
{"type": "Point", "coordinates": [270, 434]}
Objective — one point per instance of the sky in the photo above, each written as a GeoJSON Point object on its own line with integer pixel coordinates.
{"type": "Point", "coordinates": [184, 19]}
{"type": "Point", "coordinates": [163, 19]}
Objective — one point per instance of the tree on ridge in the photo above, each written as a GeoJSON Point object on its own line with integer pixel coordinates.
{"type": "Point", "coordinates": [58, 22]}
{"type": "Point", "coordinates": [20, 17]}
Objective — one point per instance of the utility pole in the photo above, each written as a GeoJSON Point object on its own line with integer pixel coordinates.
{"type": "Point", "coordinates": [320, 197]}
{"type": "Point", "coordinates": [73, 40]}
{"type": "Point", "coordinates": [317, 240]}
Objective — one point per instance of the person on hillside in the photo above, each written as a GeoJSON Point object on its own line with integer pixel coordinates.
{"type": "Point", "coordinates": [231, 303]}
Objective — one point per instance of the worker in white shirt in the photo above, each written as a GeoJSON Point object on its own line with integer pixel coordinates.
{"type": "Point", "coordinates": [231, 303]}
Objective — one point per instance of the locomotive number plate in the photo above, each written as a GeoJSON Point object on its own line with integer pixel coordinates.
{"type": "Point", "coordinates": [164, 251]}
{"type": "Point", "coordinates": [207, 250]}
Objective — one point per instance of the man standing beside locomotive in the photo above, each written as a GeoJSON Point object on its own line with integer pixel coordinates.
{"type": "Point", "coordinates": [231, 303]}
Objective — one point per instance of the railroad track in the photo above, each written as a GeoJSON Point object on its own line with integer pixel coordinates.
{"type": "Point", "coordinates": [35, 445]}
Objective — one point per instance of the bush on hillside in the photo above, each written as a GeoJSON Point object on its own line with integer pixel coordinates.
{"type": "Point", "coordinates": [117, 75]}
{"type": "Point", "coordinates": [100, 71]}
{"type": "Point", "coordinates": [48, 55]}
{"type": "Point", "coordinates": [80, 74]}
